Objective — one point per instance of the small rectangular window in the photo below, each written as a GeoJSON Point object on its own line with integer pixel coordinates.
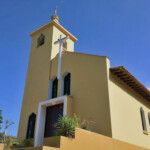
{"type": "Point", "coordinates": [149, 117]}
{"type": "Point", "coordinates": [143, 119]}
{"type": "Point", "coordinates": [41, 40]}
{"type": "Point", "coordinates": [54, 88]}
{"type": "Point", "coordinates": [67, 84]}
{"type": "Point", "coordinates": [31, 126]}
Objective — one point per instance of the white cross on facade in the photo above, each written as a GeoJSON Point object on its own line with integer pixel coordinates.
{"type": "Point", "coordinates": [60, 41]}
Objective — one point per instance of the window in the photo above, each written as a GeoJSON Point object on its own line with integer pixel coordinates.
{"type": "Point", "coordinates": [143, 119]}
{"type": "Point", "coordinates": [149, 117]}
{"type": "Point", "coordinates": [65, 45]}
{"type": "Point", "coordinates": [41, 40]}
{"type": "Point", "coordinates": [31, 126]}
{"type": "Point", "coordinates": [54, 88]}
{"type": "Point", "coordinates": [67, 84]}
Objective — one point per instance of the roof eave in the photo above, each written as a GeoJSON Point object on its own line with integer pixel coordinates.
{"type": "Point", "coordinates": [131, 81]}
{"type": "Point", "coordinates": [57, 25]}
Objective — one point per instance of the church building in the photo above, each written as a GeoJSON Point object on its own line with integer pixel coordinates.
{"type": "Point", "coordinates": [60, 81]}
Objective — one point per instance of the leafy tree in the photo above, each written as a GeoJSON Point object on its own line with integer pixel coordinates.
{"type": "Point", "coordinates": [10, 142]}
{"type": "Point", "coordinates": [1, 134]}
{"type": "Point", "coordinates": [1, 118]}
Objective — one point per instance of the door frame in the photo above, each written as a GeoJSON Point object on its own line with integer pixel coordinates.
{"type": "Point", "coordinates": [40, 126]}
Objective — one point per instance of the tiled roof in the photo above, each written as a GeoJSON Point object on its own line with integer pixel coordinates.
{"type": "Point", "coordinates": [131, 81]}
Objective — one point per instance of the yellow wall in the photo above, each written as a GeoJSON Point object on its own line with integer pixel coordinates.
{"type": "Point", "coordinates": [55, 47]}
{"type": "Point", "coordinates": [36, 87]}
{"type": "Point", "coordinates": [125, 113]}
{"type": "Point", "coordinates": [89, 90]}
{"type": "Point", "coordinates": [1, 146]}
{"type": "Point", "coordinates": [52, 141]}
{"type": "Point", "coordinates": [85, 140]}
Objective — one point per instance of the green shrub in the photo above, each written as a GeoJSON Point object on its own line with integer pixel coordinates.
{"type": "Point", "coordinates": [65, 126]}
{"type": "Point", "coordinates": [15, 144]}
{"type": "Point", "coordinates": [77, 120]}
{"type": "Point", "coordinates": [24, 143]}
{"type": "Point", "coordinates": [85, 125]}
{"type": "Point", "coordinates": [27, 143]}
{"type": "Point", "coordinates": [8, 142]}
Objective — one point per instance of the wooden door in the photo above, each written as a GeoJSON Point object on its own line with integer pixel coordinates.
{"type": "Point", "coordinates": [52, 115]}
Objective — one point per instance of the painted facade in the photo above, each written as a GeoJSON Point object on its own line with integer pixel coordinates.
{"type": "Point", "coordinates": [96, 94]}
{"type": "Point", "coordinates": [85, 140]}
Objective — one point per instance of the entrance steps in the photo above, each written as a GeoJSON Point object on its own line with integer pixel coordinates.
{"type": "Point", "coordinates": [86, 140]}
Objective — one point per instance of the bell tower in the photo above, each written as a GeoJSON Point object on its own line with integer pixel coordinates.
{"type": "Point", "coordinates": [43, 50]}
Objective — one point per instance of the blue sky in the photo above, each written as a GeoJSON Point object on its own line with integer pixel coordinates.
{"type": "Point", "coordinates": [119, 29]}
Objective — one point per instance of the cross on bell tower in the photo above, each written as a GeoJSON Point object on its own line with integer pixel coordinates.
{"type": "Point", "coordinates": [60, 41]}
{"type": "Point", "coordinates": [56, 9]}
{"type": "Point", "coordinates": [55, 17]}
